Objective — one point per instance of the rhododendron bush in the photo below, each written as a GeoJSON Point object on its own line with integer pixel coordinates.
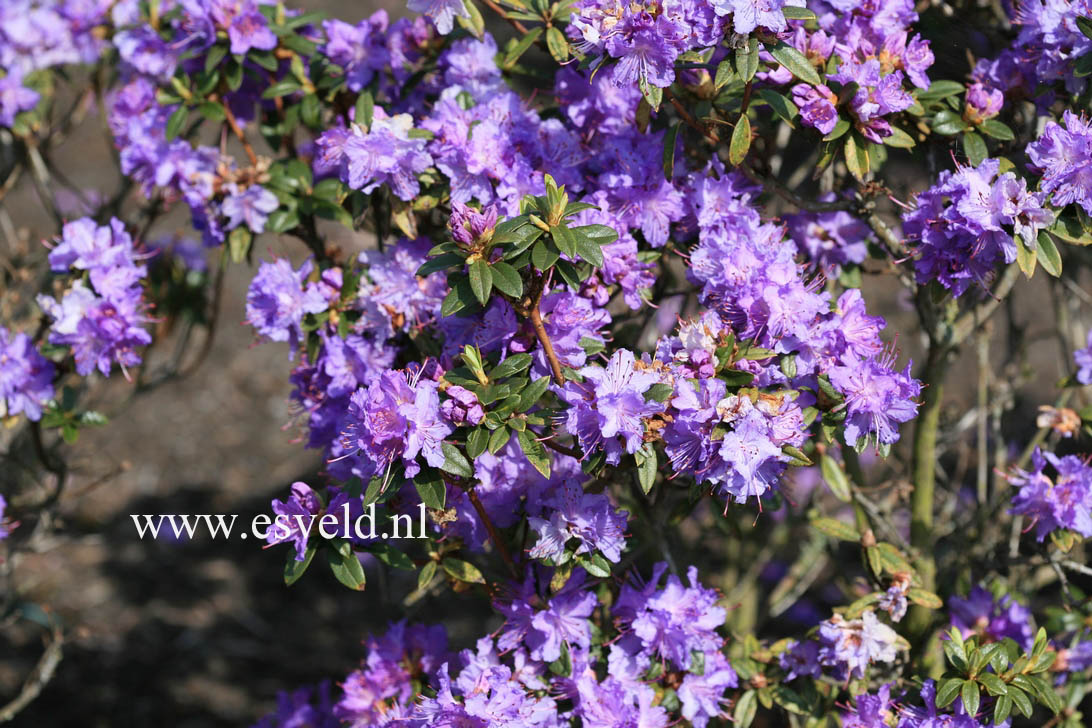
{"type": "Point", "coordinates": [618, 319]}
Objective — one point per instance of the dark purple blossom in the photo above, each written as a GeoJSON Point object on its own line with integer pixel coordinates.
{"type": "Point", "coordinates": [26, 377]}
{"type": "Point", "coordinates": [992, 619]}
{"type": "Point", "coordinates": [1051, 504]}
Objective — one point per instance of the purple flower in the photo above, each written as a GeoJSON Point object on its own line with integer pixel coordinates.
{"type": "Point", "coordinates": [848, 647]}
{"type": "Point", "coordinates": [251, 206]}
{"type": "Point", "coordinates": [359, 49]}
{"type": "Point", "coordinates": [278, 298]}
{"type": "Point", "coordinates": [871, 710]}
{"type": "Point", "coordinates": [565, 619]}
{"type": "Point", "coordinates": [674, 621]}
{"type": "Point", "coordinates": [878, 398]}
{"type": "Point", "coordinates": [611, 403]}
{"type": "Point", "coordinates": [702, 696]}
{"type": "Point", "coordinates": [384, 154]}
{"type": "Point", "coordinates": [930, 717]}
{"type": "Point", "coordinates": [983, 102]}
{"type": "Point", "coordinates": [750, 14]}
{"type": "Point", "coordinates": [992, 619]}
{"type": "Point", "coordinates": [1063, 155]}
{"type": "Point", "coordinates": [302, 707]}
{"type": "Point", "coordinates": [396, 419]}
{"type": "Point", "coordinates": [817, 106]}
{"type": "Point", "coordinates": [5, 530]}
{"type": "Point", "coordinates": [831, 240]}
{"type": "Point", "coordinates": [294, 518]}
{"type": "Point", "coordinates": [246, 26]}
{"type": "Point", "coordinates": [470, 227]}
{"type": "Point", "coordinates": [462, 407]}
{"type": "Point", "coordinates": [441, 12]}
{"type": "Point", "coordinates": [1065, 502]}
{"type": "Point", "coordinates": [26, 377]}
{"type": "Point", "coordinates": [1083, 358]}
{"type": "Point", "coordinates": [965, 223]}
{"type": "Point", "coordinates": [15, 97]}
{"type": "Point", "coordinates": [382, 689]}
{"type": "Point", "coordinates": [573, 514]}
{"type": "Point", "coordinates": [101, 331]}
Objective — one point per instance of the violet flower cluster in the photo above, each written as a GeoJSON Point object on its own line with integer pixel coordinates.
{"type": "Point", "coordinates": [967, 223]}
{"type": "Point", "coordinates": [102, 316]}
{"type": "Point", "coordinates": [26, 377]}
{"type": "Point", "coordinates": [1063, 501]}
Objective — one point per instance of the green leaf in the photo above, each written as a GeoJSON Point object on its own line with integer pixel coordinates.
{"type": "Point", "coordinates": [346, 567]}
{"type": "Point", "coordinates": [293, 569]}
{"type": "Point", "coordinates": [670, 142]}
{"type": "Point", "coordinates": [724, 74]}
{"type": "Point", "coordinates": [1048, 254]}
{"type": "Point", "coordinates": [499, 439]}
{"type": "Point", "coordinates": [1002, 709]}
{"type": "Point", "coordinates": [364, 109]}
{"type": "Point", "coordinates": [544, 254]}
{"type": "Point", "coordinates": [212, 111]}
{"type": "Point", "coordinates": [835, 478]}
{"type": "Point", "coordinates": [653, 95]}
{"type": "Point", "coordinates": [589, 239]}
{"type": "Point", "coordinates": [520, 47]}
{"type": "Point", "coordinates": [239, 244]}
{"type": "Point", "coordinates": [176, 121]}
{"type": "Point", "coordinates": [795, 62]}
{"type": "Point", "coordinates": [481, 280]}
{"type": "Point", "coordinates": [281, 88]}
{"type": "Point", "coordinates": [899, 139]}
{"type": "Point", "coordinates": [1025, 256]}
{"type": "Point", "coordinates": [747, 60]}
{"type": "Point", "coordinates": [596, 565]}
{"type": "Point", "coordinates": [514, 364]}
{"type": "Point", "coordinates": [659, 392]}
{"type": "Point", "coordinates": [426, 575]}
{"type": "Point", "coordinates": [924, 598]}
{"type": "Point", "coordinates": [836, 529]}
{"type": "Point", "coordinates": [948, 123]}
{"type": "Point", "coordinates": [557, 45]}
{"type": "Point", "coordinates": [462, 570]}
{"type": "Point", "coordinates": [391, 556]}
{"type": "Point", "coordinates": [458, 298]}
{"type": "Point", "coordinates": [1020, 699]}
{"type": "Point", "coordinates": [282, 220]}
{"type": "Point", "coordinates": [439, 263]}
{"type": "Point", "coordinates": [746, 707]}
{"type": "Point", "coordinates": [535, 452]}
{"type": "Point", "coordinates": [995, 685]}
{"type": "Point", "coordinates": [455, 463]}
{"type": "Point", "coordinates": [780, 103]}
{"type": "Point", "coordinates": [529, 396]}
{"type": "Point", "coordinates": [432, 491]}
{"type": "Point", "coordinates": [740, 142]}
{"type": "Point", "coordinates": [974, 146]}
{"type": "Point", "coordinates": [997, 130]}
{"type": "Point", "coordinates": [797, 13]}
{"type": "Point", "coordinates": [507, 280]}
{"type": "Point", "coordinates": [213, 57]}
{"type": "Point", "coordinates": [948, 691]}
{"type": "Point", "coordinates": [940, 90]}
{"type": "Point", "coordinates": [646, 466]}
{"type": "Point", "coordinates": [564, 239]}
{"type": "Point", "coordinates": [1084, 25]}
{"type": "Point", "coordinates": [839, 130]}
{"type": "Point", "coordinates": [856, 157]}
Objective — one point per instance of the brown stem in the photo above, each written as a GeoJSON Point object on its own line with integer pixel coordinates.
{"type": "Point", "coordinates": [500, 11]}
{"type": "Point", "coordinates": [690, 121]}
{"type": "Point", "coordinates": [497, 541]}
{"type": "Point", "coordinates": [234, 124]}
{"type": "Point", "coordinates": [563, 449]}
{"type": "Point", "coordinates": [38, 679]}
{"type": "Point", "coordinates": [529, 308]}
{"type": "Point", "coordinates": [791, 197]}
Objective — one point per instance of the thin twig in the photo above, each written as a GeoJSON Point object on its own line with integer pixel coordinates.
{"type": "Point", "coordinates": [39, 677]}
{"type": "Point", "coordinates": [493, 535]}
